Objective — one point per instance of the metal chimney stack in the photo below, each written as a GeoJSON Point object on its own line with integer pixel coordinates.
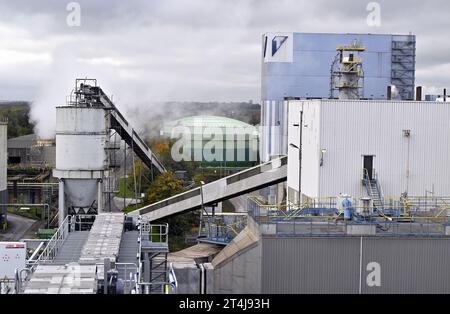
{"type": "Point", "coordinates": [419, 93]}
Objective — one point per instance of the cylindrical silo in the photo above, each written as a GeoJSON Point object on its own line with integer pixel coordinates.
{"type": "Point", "coordinates": [81, 138]}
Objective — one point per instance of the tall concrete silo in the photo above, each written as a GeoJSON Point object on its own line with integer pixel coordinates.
{"type": "Point", "coordinates": [81, 160]}
{"type": "Point", "coordinates": [84, 162]}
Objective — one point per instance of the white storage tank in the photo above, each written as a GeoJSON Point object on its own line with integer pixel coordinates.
{"type": "Point", "coordinates": [81, 136]}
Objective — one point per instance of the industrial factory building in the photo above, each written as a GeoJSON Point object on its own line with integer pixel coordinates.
{"type": "Point", "coordinates": [302, 65]}
{"type": "Point", "coordinates": [399, 144]}
{"type": "Point", "coordinates": [30, 162]}
{"type": "Point", "coordinates": [28, 149]}
{"type": "Point", "coordinates": [365, 209]}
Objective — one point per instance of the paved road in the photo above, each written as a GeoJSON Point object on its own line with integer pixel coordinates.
{"type": "Point", "coordinates": [17, 227]}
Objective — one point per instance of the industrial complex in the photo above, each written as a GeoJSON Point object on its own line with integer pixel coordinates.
{"type": "Point", "coordinates": [349, 193]}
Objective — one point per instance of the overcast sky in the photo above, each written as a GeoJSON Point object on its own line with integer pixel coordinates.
{"type": "Point", "coordinates": [187, 49]}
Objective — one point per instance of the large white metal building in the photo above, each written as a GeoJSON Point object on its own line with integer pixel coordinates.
{"type": "Point", "coordinates": [403, 145]}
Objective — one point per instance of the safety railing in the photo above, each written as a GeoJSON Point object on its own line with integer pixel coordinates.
{"type": "Point", "coordinates": [127, 271]}
{"type": "Point", "coordinates": [54, 244]}
{"type": "Point", "coordinates": [379, 187]}
{"type": "Point", "coordinates": [157, 234]}
{"type": "Point", "coordinates": [222, 228]}
{"type": "Point", "coordinates": [392, 219]}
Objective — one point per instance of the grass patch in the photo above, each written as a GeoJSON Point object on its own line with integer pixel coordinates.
{"type": "Point", "coordinates": [131, 207]}
{"type": "Point", "coordinates": [31, 212]}
{"type": "Point", "coordinates": [124, 190]}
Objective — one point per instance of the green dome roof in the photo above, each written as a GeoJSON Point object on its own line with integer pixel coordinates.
{"type": "Point", "coordinates": [206, 122]}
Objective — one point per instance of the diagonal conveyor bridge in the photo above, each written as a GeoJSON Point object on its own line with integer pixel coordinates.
{"type": "Point", "coordinates": [93, 95]}
{"type": "Point", "coordinates": [246, 181]}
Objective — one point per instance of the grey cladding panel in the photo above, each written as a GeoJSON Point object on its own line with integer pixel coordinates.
{"type": "Point", "coordinates": [310, 265]}
{"type": "Point", "coordinates": [408, 265]}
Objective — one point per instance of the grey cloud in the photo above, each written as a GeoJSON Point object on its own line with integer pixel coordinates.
{"type": "Point", "coordinates": [144, 51]}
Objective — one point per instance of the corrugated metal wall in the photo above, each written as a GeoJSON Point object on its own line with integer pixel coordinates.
{"type": "Point", "coordinates": [297, 265]}
{"type": "Point", "coordinates": [351, 129]}
{"type": "Point", "coordinates": [336, 265]}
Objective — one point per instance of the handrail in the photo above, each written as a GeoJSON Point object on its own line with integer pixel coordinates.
{"type": "Point", "coordinates": [379, 188]}
{"type": "Point", "coordinates": [129, 282]}
{"type": "Point", "coordinates": [146, 232]}
{"type": "Point", "coordinates": [53, 245]}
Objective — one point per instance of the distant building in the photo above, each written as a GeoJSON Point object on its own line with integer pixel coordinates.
{"type": "Point", "coordinates": [30, 161]}
{"type": "Point", "coordinates": [233, 143]}
{"type": "Point", "coordinates": [28, 149]}
{"type": "Point", "coordinates": [298, 65]}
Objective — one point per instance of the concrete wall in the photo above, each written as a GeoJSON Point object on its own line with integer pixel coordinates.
{"type": "Point", "coordinates": [242, 274]}
{"type": "Point", "coordinates": [237, 268]}
{"type": "Point", "coordinates": [355, 265]}
{"type": "Point", "coordinates": [188, 278]}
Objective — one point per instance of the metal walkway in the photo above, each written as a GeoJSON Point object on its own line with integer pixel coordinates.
{"type": "Point", "coordinates": [71, 249]}
{"type": "Point", "coordinates": [104, 239]}
{"type": "Point", "coordinates": [249, 180]}
{"type": "Point", "coordinates": [128, 255]}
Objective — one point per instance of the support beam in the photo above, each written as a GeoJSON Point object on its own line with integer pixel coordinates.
{"type": "Point", "coordinates": [61, 203]}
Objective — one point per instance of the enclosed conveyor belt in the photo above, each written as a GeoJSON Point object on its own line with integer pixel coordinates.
{"type": "Point", "coordinates": [234, 185]}
{"type": "Point", "coordinates": [94, 95]}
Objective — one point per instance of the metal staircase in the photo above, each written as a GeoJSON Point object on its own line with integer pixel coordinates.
{"type": "Point", "coordinates": [128, 260]}
{"type": "Point", "coordinates": [153, 250]}
{"type": "Point", "coordinates": [71, 249]}
{"type": "Point", "coordinates": [373, 188]}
